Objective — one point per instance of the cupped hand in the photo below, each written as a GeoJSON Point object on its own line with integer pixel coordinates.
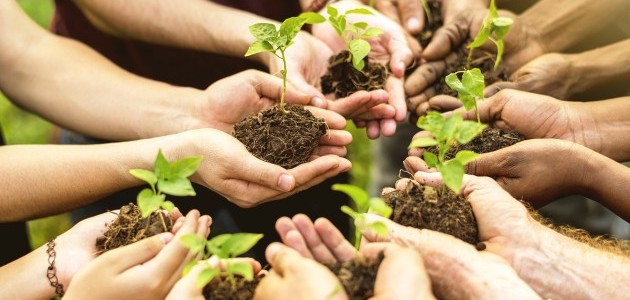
{"type": "Point", "coordinates": [233, 172]}
{"type": "Point", "coordinates": [295, 277]}
{"type": "Point", "coordinates": [144, 270]}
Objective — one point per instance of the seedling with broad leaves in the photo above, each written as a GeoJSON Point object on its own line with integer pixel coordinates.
{"type": "Point", "coordinates": [469, 89]}
{"type": "Point", "coordinates": [224, 247]}
{"type": "Point", "coordinates": [493, 28]}
{"type": "Point", "coordinates": [276, 41]}
{"type": "Point", "coordinates": [363, 204]}
{"type": "Point", "coordinates": [166, 179]}
{"type": "Point", "coordinates": [354, 35]}
{"type": "Point", "coordinates": [448, 133]}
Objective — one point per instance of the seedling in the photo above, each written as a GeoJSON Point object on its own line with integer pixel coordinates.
{"type": "Point", "coordinates": [448, 133]}
{"type": "Point", "coordinates": [276, 41]}
{"type": "Point", "coordinates": [494, 28]}
{"type": "Point", "coordinates": [166, 179]}
{"type": "Point", "coordinates": [363, 204]}
{"type": "Point", "coordinates": [469, 89]}
{"type": "Point", "coordinates": [224, 247]}
{"type": "Point", "coordinates": [354, 35]}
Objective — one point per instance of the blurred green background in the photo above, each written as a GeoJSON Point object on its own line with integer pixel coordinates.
{"type": "Point", "coordinates": [21, 127]}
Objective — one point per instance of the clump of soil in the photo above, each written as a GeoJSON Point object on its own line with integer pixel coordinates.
{"type": "Point", "coordinates": [129, 227]}
{"type": "Point", "coordinates": [431, 26]}
{"type": "Point", "coordinates": [241, 289]}
{"type": "Point", "coordinates": [358, 276]}
{"type": "Point", "coordinates": [491, 139]}
{"type": "Point", "coordinates": [284, 139]}
{"type": "Point", "coordinates": [428, 208]}
{"type": "Point", "coordinates": [343, 79]}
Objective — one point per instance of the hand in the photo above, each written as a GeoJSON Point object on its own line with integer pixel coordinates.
{"type": "Point", "coordinates": [321, 240]}
{"type": "Point", "coordinates": [295, 277]}
{"type": "Point", "coordinates": [389, 47]}
{"type": "Point", "coordinates": [530, 170]}
{"type": "Point", "coordinates": [76, 248]}
{"type": "Point", "coordinates": [550, 74]}
{"type": "Point", "coordinates": [144, 270]}
{"type": "Point", "coordinates": [230, 170]}
{"type": "Point", "coordinates": [534, 116]}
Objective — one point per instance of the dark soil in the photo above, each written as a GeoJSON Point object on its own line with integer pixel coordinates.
{"type": "Point", "coordinates": [241, 289]}
{"type": "Point", "coordinates": [129, 227]}
{"type": "Point", "coordinates": [431, 26]}
{"type": "Point", "coordinates": [343, 79]}
{"type": "Point", "coordinates": [491, 139]}
{"type": "Point", "coordinates": [428, 208]}
{"type": "Point", "coordinates": [284, 139]}
{"type": "Point", "coordinates": [358, 276]}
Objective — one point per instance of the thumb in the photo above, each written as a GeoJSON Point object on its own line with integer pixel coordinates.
{"type": "Point", "coordinates": [269, 86]}
{"type": "Point", "coordinates": [446, 40]}
{"type": "Point", "coordinates": [266, 174]}
{"type": "Point", "coordinates": [498, 86]}
{"type": "Point", "coordinates": [282, 258]}
{"type": "Point", "coordinates": [486, 165]}
{"type": "Point", "coordinates": [135, 254]}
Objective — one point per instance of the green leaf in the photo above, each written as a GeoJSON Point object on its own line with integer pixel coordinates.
{"type": "Point", "coordinates": [469, 101]}
{"type": "Point", "coordinates": [361, 25]}
{"type": "Point", "coordinates": [149, 202]}
{"type": "Point", "coordinates": [189, 266]}
{"type": "Point", "coordinates": [472, 81]}
{"type": "Point", "coordinates": [481, 38]}
{"type": "Point", "coordinates": [502, 22]}
{"type": "Point", "coordinates": [467, 131]}
{"type": "Point", "coordinates": [450, 126]}
{"type": "Point", "coordinates": [360, 197]}
{"type": "Point", "coordinates": [185, 166]}
{"type": "Point", "coordinates": [193, 242]}
{"type": "Point", "coordinates": [430, 158]}
{"type": "Point", "coordinates": [239, 243]}
{"type": "Point", "coordinates": [312, 17]}
{"type": "Point", "coordinates": [452, 80]}
{"type": "Point", "coordinates": [167, 206]}
{"type": "Point", "coordinates": [380, 228]}
{"type": "Point", "coordinates": [378, 206]}
{"type": "Point", "coordinates": [422, 142]}
{"type": "Point", "coordinates": [333, 12]}
{"type": "Point", "coordinates": [466, 156]}
{"type": "Point", "coordinates": [453, 174]}
{"type": "Point", "coordinates": [349, 211]}
{"type": "Point", "coordinates": [161, 165]}
{"type": "Point", "coordinates": [432, 122]}
{"type": "Point", "coordinates": [145, 175]}
{"type": "Point", "coordinates": [243, 269]}
{"type": "Point", "coordinates": [359, 49]}
{"type": "Point", "coordinates": [500, 47]}
{"type": "Point", "coordinates": [176, 187]}
{"type": "Point", "coordinates": [263, 31]}
{"type": "Point", "coordinates": [372, 32]}
{"type": "Point", "coordinates": [215, 245]}
{"type": "Point", "coordinates": [258, 47]}
{"type": "Point", "coordinates": [206, 276]}
{"type": "Point", "coordinates": [360, 11]}
{"type": "Point", "coordinates": [290, 28]}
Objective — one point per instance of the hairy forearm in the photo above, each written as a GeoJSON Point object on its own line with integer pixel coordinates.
{"type": "Point", "coordinates": [563, 23]}
{"type": "Point", "coordinates": [558, 267]}
{"type": "Point", "coordinates": [601, 65]}
{"type": "Point", "coordinates": [192, 24]}
{"type": "Point", "coordinates": [40, 180]}
{"type": "Point", "coordinates": [605, 123]}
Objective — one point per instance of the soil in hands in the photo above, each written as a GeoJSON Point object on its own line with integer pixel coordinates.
{"type": "Point", "coordinates": [240, 289]}
{"type": "Point", "coordinates": [491, 139]}
{"type": "Point", "coordinates": [431, 26]}
{"type": "Point", "coordinates": [284, 139]}
{"type": "Point", "coordinates": [343, 79]}
{"type": "Point", "coordinates": [435, 209]}
{"type": "Point", "coordinates": [129, 227]}
{"type": "Point", "coordinates": [357, 276]}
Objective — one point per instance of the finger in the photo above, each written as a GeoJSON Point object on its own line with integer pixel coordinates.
{"type": "Point", "coordinates": [394, 87]}
{"type": "Point", "coordinates": [374, 249]}
{"type": "Point", "coordinates": [387, 190]}
{"type": "Point", "coordinates": [389, 9]}
{"type": "Point", "coordinates": [402, 267]}
{"type": "Point", "coordinates": [358, 102]}
{"type": "Point", "coordinates": [446, 39]}
{"type": "Point", "coordinates": [424, 77]}
{"type": "Point", "coordinates": [123, 258]}
{"type": "Point", "coordinates": [253, 170]}
{"type": "Point", "coordinates": [498, 86]}
{"type": "Point", "coordinates": [175, 214]}
{"type": "Point", "coordinates": [414, 164]}
{"type": "Point", "coordinates": [269, 286]}
{"type": "Point", "coordinates": [402, 183]}
{"type": "Point", "coordinates": [360, 123]}
{"type": "Point", "coordinates": [379, 112]}
{"type": "Point", "coordinates": [387, 127]}
{"type": "Point", "coordinates": [415, 101]}
{"type": "Point", "coordinates": [270, 86]}
{"type": "Point", "coordinates": [299, 83]}
{"type": "Point", "coordinates": [224, 263]}
{"type": "Point", "coordinates": [416, 49]}
{"type": "Point", "coordinates": [334, 240]}
{"type": "Point", "coordinates": [291, 236]}
{"type": "Point", "coordinates": [489, 164]}
{"type": "Point", "coordinates": [175, 255]}
{"type": "Point", "coordinates": [283, 259]}
{"type": "Point", "coordinates": [373, 129]}
{"type": "Point", "coordinates": [401, 55]}
{"type": "Point", "coordinates": [178, 224]}
{"type": "Point", "coordinates": [328, 150]}
{"type": "Point", "coordinates": [336, 138]}
{"type": "Point", "coordinates": [318, 249]}
{"type": "Point", "coordinates": [444, 103]}
{"type": "Point", "coordinates": [411, 15]}
{"type": "Point", "coordinates": [333, 120]}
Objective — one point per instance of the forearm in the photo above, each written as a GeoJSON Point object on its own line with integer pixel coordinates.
{"type": "Point", "coordinates": [560, 24]}
{"type": "Point", "coordinates": [25, 278]}
{"type": "Point", "coordinates": [607, 183]}
{"type": "Point", "coordinates": [558, 267]}
{"type": "Point", "coordinates": [599, 66]}
{"type": "Point", "coordinates": [50, 179]}
{"type": "Point", "coordinates": [606, 124]}
{"type": "Point", "coordinates": [193, 24]}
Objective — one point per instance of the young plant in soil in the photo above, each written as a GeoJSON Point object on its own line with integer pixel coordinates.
{"type": "Point", "coordinates": [469, 89]}
{"type": "Point", "coordinates": [350, 70]}
{"type": "Point", "coordinates": [227, 279]}
{"type": "Point", "coordinates": [285, 135]}
{"type": "Point", "coordinates": [494, 28]}
{"type": "Point", "coordinates": [144, 220]}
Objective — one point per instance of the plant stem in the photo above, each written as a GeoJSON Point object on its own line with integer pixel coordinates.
{"type": "Point", "coordinates": [477, 111]}
{"type": "Point", "coordinates": [284, 81]}
{"type": "Point", "coordinates": [469, 59]}
{"type": "Point", "coordinates": [161, 218]}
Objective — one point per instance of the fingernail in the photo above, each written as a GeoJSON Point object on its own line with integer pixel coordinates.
{"type": "Point", "coordinates": [413, 24]}
{"type": "Point", "coordinates": [272, 249]}
{"type": "Point", "coordinates": [317, 102]}
{"type": "Point", "coordinates": [285, 182]}
{"type": "Point", "coordinates": [166, 237]}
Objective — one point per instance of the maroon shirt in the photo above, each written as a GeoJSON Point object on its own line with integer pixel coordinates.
{"type": "Point", "coordinates": [173, 65]}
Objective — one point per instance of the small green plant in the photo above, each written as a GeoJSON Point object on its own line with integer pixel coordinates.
{"type": "Point", "coordinates": [166, 179]}
{"type": "Point", "coordinates": [493, 28]}
{"type": "Point", "coordinates": [224, 247]}
{"type": "Point", "coordinates": [354, 35]}
{"type": "Point", "coordinates": [469, 89]}
{"type": "Point", "coordinates": [276, 41]}
{"type": "Point", "coordinates": [448, 133]}
{"type": "Point", "coordinates": [363, 204]}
